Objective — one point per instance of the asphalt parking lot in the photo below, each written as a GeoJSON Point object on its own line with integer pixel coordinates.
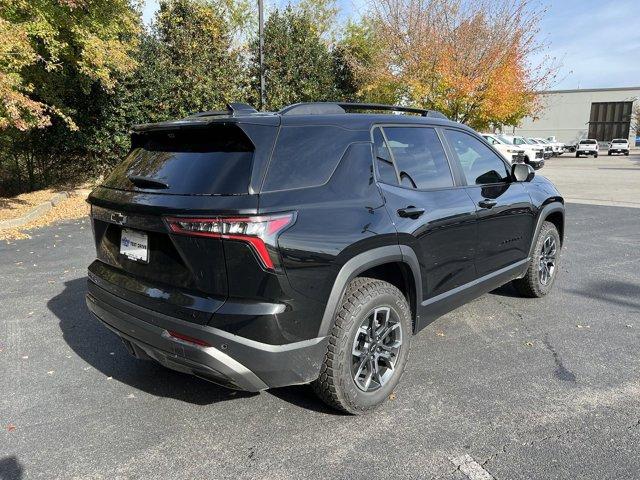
{"type": "Point", "coordinates": [544, 389]}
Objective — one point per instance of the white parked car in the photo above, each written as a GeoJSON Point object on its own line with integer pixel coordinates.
{"type": "Point", "coordinates": [619, 145]}
{"type": "Point", "coordinates": [533, 154]}
{"type": "Point", "coordinates": [556, 147]}
{"type": "Point", "coordinates": [547, 152]}
{"type": "Point", "coordinates": [588, 146]}
{"type": "Point", "coordinates": [510, 152]}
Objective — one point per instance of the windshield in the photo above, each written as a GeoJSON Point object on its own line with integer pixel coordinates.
{"type": "Point", "coordinates": [530, 141]}
{"type": "Point", "coordinates": [506, 140]}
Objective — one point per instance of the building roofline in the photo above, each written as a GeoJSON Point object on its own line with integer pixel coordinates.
{"type": "Point", "coordinates": [577, 90]}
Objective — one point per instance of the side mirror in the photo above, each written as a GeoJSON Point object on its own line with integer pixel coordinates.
{"type": "Point", "coordinates": [522, 172]}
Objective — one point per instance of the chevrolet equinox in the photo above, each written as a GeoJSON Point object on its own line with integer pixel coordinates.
{"type": "Point", "coordinates": [258, 250]}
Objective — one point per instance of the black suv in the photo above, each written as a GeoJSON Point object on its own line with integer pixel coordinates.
{"type": "Point", "coordinates": [258, 250]}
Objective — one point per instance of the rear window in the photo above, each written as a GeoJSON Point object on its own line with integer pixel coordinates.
{"type": "Point", "coordinates": [588, 142]}
{"type": "Point", "coordinates": [619, 140]}
{"type": "Point", "coordinates": [215, 160]}
{"type": "Point", "coordinates": [306, 156]}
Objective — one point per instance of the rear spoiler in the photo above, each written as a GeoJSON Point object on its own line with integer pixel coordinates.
{"type": "Point", "coordinates": [235, 113]}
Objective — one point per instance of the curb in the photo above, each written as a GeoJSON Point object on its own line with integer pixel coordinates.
{"type": "Point", "coordinates": [34, 213]}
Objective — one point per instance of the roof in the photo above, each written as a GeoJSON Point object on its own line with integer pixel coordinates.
{"type": "Point", "coordinates": [586, 90]}
{"type": "Point", "coordinates": [345, 115]}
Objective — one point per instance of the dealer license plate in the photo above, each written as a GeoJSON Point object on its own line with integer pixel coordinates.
{"type": "Point", "coordinates": [134, 245]}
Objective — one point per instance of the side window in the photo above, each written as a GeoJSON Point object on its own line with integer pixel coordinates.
{"type": "Point", "coordinates": [479, 164]}
{"type": "Point", "coordinates": [306, 156]}
{"type": "Point", "coordinates": [419, 157]}
{"type": "Point", "coordinates": [384, 163]}
{"type": "Point", "coordinates": [491, 140]}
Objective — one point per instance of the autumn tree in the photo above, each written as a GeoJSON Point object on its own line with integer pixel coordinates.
{"type": "Point", "coordinates": [46, 41]}
{"type": "Point", "coordinates": [467, 58]}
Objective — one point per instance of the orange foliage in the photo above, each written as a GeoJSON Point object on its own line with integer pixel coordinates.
{"type": "Point", "coordinates": [469, 59]}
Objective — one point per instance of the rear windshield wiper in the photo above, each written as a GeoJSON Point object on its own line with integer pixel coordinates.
{"type": "Point", "coordinates": [146, 182]}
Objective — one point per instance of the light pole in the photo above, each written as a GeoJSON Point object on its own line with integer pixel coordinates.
{"type": "Point", "coordinates": [261, 50]}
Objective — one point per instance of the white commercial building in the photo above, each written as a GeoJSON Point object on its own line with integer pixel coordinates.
{"type": "Point", "coordinates": [571, 115]}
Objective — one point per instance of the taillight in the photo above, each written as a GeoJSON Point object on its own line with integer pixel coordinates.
{"type": "Point", "coordinates": [260, 231]}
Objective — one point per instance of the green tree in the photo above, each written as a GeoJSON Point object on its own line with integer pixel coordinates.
{"type": "Point", "coordinates": [196, 56]}
{"type": "Point", "coordinates": [298, 65]}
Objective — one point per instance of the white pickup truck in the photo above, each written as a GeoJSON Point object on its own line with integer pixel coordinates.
{"type": "Point", "coordinates": [533, 154]}
{"type": "Point", "coordinates": [556, 147]}
{"type": "Point", "coordinates": [511, 153]}
{"type": "Point", "coordinates": [619, 145]}
{"type": "Point", "coordinates": [588, 146]}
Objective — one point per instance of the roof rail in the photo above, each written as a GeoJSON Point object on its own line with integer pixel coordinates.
{"type": "Point", "coordinates": [232, 109]}
{"type": "Point", "coordinates": [325, 108]}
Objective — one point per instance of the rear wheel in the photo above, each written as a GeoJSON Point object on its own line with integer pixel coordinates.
{"type": "Point", "coordinates": [595, 155]}
{"type": "Point", "coordinates": [368, 347]}
{"type": "Point", "coordinates": [543, 266]}
{"type": "Point", "coordinates": [577, 154]}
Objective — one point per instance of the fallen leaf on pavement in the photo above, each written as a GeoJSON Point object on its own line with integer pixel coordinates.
{"type": "Point", "coordinates": [11, 427]}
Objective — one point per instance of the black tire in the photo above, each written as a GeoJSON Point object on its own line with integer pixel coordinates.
{"type": "Point", "coordinates": [595, 155]}
{"type": "Point", "coordinates": [626, 154]}
{"type": "Point", "coordinates": [336, 384]}
{"type": "Point", "coordinates": [609, 153]}
{"type": "Point", "coordinates": [532, 285]}
{"type": "Point", "coordinates": [577, 155]}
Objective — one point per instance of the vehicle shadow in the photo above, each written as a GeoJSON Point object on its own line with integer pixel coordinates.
{"type": "Point", "coordinates": [303, 396]}
{"type": "Point", "coordinates": [104, 351]}
{"type": "Point", "coordinates": [10, 469]}
{"type": "Point", "coordinates": [507, 290]}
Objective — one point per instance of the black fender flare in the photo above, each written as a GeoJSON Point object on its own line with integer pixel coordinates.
{"type": "Point", "coordinates": [364, 261]}
{"type": "Point", "coordinates": [548, 209]}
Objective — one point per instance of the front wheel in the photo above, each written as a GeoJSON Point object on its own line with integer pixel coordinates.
{"type": "Point", "coordinates": [368, 347]}
{"type": "Point", "coordinates": [543, 266]}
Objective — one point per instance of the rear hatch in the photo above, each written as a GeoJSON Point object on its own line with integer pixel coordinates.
{"type": "Point", "coordinates": [200, 170]}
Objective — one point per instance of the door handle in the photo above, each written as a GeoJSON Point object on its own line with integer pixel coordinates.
{"type": "Point", "coordinates": [410, 212]}
{"type": "Point", "coordinates": [487, 203]}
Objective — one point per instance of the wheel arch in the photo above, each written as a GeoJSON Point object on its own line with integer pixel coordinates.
{"type": "Point", "coordinates": [553, 212]}
{"type": "Point", "coordinates": [396, 264]}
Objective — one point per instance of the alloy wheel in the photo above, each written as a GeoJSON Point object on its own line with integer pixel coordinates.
{"type": "Point", "coordinates": [547, 264]}
{"type": "Point", "coordinates": [375, 349]}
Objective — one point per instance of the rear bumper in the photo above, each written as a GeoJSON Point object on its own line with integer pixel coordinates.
{"type": "Point", "coordinates": [230, 360]}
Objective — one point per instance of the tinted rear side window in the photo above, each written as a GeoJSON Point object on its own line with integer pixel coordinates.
{"type": "Point", "coordinates": [384, 164]}
{"type": "Point", "coordinates": [419, 157]}
{"type": "Point", "coordinates": [306, 156]}
{"type": "Point", "coordinates": [215, 160]}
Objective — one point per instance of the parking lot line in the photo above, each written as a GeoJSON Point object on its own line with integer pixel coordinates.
{"type": "Point", "coordinates": [470, 468]}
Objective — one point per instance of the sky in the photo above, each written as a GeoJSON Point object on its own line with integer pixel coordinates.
{"type": "Point", "coordinates": [597, 42]}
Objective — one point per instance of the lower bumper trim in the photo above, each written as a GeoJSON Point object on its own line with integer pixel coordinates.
{"type": "Point", "coordinates": [230, 360]}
